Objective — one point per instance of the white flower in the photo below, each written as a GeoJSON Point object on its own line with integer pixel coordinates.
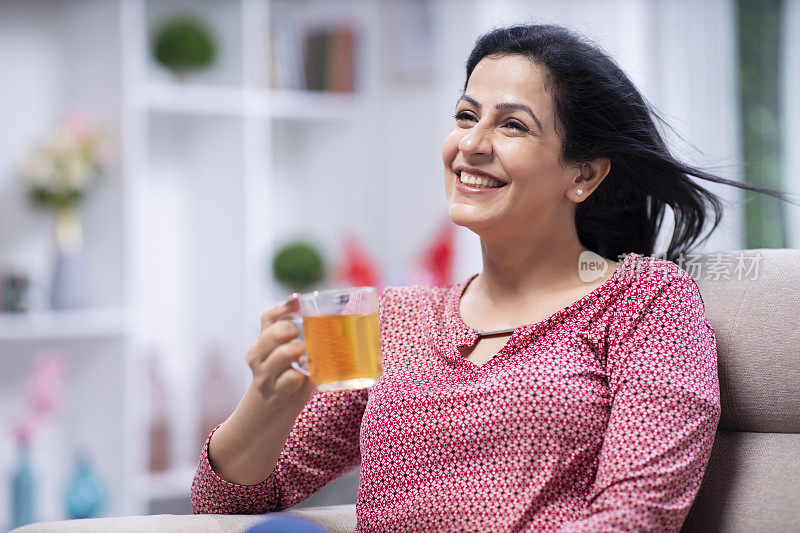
{"type": "Point", "coordinates": [39, 170]}
{"type": "Point", "coordinates": [68, 161]}
{"type": "Point", "coordinates": [78, 172]}
{"type": "Point", "coordinates": [61, 143]}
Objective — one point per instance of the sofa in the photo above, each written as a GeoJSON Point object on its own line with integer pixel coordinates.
{"type": "Point", "coordinates": [752, 482]}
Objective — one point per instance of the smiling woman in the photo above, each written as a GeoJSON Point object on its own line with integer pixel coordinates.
{"type": "Point", "coordinates": [528, 397]}
{"type": "Point", "coordinates": [561, 107]}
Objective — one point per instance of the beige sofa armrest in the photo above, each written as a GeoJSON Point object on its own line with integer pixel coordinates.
{"type": "Point", "coordinates": [336, 518]}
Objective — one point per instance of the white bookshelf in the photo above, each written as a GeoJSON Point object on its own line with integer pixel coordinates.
{"type": "Point", "coordinates": [56, 325]}
{"type": "Point", "coordinates": [206, 159]}
{"type": "Point", "coordinates": [194, 99]}
{"type": "Point", "coordinates": [241, 102]}
{"type": "Point", "coordinates": [213, 175]}
{"type": "Point", "coordinates": [183, 232]}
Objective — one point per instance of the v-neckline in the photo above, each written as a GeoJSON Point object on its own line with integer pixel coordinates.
{"type": "Point", "coordinates": [465, 335]}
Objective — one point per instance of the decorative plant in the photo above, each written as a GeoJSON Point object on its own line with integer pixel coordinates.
{"type": "Point", "coordinates": [45, 391]}
{"type": "Point", "coordinates": [61, 170]}
{"type": "Point", "coordinates": [43, 399]}
{"type": "Point", "coordinates": [298, 266]}
{"type": "Point", "coordinates": [184, 44]}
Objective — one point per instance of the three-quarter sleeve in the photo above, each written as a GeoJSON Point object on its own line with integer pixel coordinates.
{"type": "Point", "coordinates": [322, 445]}
{"type": "Point", "coordinates": [662, 368]}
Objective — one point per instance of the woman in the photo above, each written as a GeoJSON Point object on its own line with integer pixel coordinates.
{"type": "Point", "coordinates": [525, 398]}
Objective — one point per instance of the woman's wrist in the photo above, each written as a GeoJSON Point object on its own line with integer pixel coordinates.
{"type": "Point", "coordinates": [246, 447]}
{"type": "Point", "coordinates": [269, 405]}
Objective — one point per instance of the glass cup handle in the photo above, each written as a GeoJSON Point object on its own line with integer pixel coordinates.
{"type": "Point", "coordinates": [301, 365]}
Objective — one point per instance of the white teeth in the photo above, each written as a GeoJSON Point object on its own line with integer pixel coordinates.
{"type": "Point", "coordinates": [480, 182]}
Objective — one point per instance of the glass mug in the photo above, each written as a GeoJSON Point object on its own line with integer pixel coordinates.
{"type": "Point", "coordinates": [342, 336]}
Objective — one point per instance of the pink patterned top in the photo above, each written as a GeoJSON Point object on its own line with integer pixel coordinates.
{"type": "Point", "coordinates": [599, 418]}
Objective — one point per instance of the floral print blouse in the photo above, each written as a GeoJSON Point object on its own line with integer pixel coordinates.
{"type": "Point", "coordinates": [598, 418]}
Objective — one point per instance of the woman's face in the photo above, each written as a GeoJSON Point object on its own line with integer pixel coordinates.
{"type": "Point", "coordinates": [504, 131]}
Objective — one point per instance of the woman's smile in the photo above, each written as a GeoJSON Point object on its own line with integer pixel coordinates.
{"type": "Point", "coordinates": [471, 181]}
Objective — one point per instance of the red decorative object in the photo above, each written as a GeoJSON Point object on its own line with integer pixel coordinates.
{"type": "Point", "coordinates": [437, 260]}
{"type": "Point", "coordinates": [359, 269]}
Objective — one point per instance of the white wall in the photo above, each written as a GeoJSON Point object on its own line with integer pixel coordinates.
{"type": "Point", "coordinates": [694, 81]}
{"type": "Point", "coordinates": [791, 114]}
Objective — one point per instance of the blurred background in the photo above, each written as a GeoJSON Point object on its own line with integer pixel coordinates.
{"type": "Point", "coordinates": [170, 169]}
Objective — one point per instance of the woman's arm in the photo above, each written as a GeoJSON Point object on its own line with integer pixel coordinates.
{"type": "Point", "coordinates": [276, 449]}
{"type": "Point", "coordinates": [245, 448]}
{"type": "Point", "coordinates": [321, 446]}
{"type": "Point", "coordinates": [664, 417]}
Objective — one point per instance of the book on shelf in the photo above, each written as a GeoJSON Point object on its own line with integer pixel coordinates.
{"type": "Point", "coordinates": [321, 58]}
{"type": "Point", "coordinates": [286, 56]}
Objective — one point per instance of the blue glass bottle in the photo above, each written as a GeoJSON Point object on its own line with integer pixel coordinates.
{"type": "Point", "coordinates": [23, 490]}
{"type": "Point", "coordinates": [84, 495]}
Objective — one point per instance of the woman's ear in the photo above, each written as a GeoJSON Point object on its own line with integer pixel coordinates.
{"type": "Point", "coordinates": [591, 175]}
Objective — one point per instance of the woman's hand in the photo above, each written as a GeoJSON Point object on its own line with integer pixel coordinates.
{"type": "Point", "coordinates": [270, 358]}
{"type": "Point", "coordinates": [246, 447]}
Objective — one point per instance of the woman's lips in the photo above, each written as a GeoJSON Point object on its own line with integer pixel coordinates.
{"type": "Point", "coordinates": [476, 182]}
{"type": "Point", "coordinates": [475, 172]}
{"type": "Point", "coordinates": [463, 188]}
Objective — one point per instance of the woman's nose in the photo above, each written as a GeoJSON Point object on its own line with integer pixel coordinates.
{"type": "Point", "coordinates": [477, 141]}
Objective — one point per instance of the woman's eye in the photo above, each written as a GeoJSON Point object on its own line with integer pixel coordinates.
{"type": "Point", "coordinates": [517, 125]}
{"type": "Point", "coordinates": [464, 115]}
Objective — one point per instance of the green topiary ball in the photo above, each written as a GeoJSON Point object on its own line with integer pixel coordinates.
{"type": "Point", "coordinates": [298, 266]}
{"type": "Point", "coordinates": [183, 44]}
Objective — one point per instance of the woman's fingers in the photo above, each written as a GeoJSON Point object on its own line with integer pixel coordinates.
{"type": "Point", "coordinates": [281, 359]}
{"type": "Point", "coordinates": [270, 357]}
{"type": "Point", "coordinates": [273, 314]}
{"type": "Point", "coordinates": [271, 337]}
{"type": "Point", "coordinates": [290, 381]}
{"type": "Point", "coordinates": [279, 362]}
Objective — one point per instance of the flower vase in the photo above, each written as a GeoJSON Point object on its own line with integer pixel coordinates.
{"type": "Point", "coordinates": [23, 490]}
{"type": "Point", "coordinates": [84, 496]}
{"type": "Point", "coordinates": [69, 287]}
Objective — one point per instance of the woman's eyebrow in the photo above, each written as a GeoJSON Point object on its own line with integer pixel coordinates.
{"type": "Point", "coordinates": [506, 105]}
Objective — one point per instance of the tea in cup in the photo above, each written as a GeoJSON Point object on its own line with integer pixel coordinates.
{"type": "Point", "coordinates": [342, 335]}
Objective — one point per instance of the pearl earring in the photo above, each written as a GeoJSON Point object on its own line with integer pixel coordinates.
{"type": "Point", "coordinates": [579, 191]}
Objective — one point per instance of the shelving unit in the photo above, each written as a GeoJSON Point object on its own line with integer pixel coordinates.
{"type": "Point", "coordinates": [79, 324]}
{"type": "Point", "coordinates": [202, 100]}
{"type": "Point", "coordinates": [208, 162]}
{"type": "Point", "coordinates": [214, 174]}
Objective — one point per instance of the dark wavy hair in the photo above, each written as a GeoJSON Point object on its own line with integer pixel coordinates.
{"type": "Point", "coordinates": [600, 113]}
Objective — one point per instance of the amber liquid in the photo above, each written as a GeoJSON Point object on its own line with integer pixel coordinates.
{"type": "Point", "coordinates": [344, 351]}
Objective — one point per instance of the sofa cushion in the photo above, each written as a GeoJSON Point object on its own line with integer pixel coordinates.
{"type": "Point", "coordinates": [750, 484]}
{"type": "Point", "coordinates": [757, 326]}
{"type": "Point", "coordinates": [336, 518]}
